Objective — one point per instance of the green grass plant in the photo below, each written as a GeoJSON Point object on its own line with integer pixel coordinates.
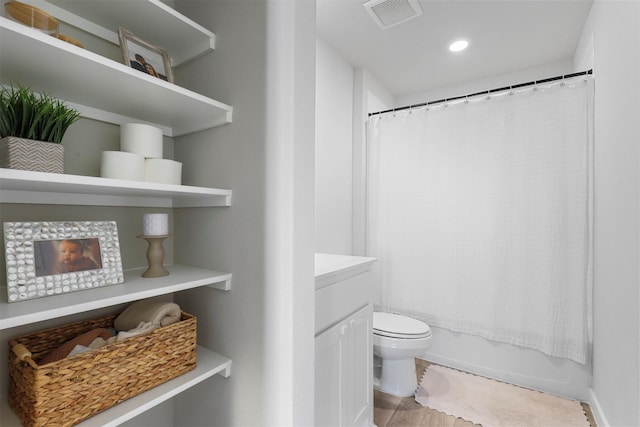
{"type": "Point", "coordinates": [25, 114]}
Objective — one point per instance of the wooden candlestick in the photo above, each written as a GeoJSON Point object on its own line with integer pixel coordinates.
{"type": "Point", "coordinates": [155, 256]}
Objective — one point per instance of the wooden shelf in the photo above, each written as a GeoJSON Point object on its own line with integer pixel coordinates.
{"type": "Point", "coordinates": [209, 364]}
{"type": "Point", "coordinates": [161, 25]}
{"type": "Point", "coordinates": [17, 186]}
{"type": "Point", "coordinates": [134, 288]}
{"type": "Point", "coordinates": [100, 88]}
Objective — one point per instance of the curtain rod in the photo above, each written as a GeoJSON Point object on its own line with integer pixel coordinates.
{"type": "Point", "coordinates": [485, 92]}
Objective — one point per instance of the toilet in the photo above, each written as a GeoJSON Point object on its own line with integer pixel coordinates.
{"type": "Point", "coordinates": [397, 340]}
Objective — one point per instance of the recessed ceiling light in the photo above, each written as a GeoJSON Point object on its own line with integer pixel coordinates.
{"type": "Point", "coordinates": [458, 45]}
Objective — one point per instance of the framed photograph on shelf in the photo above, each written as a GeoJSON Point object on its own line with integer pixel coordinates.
{"type": "Point", "coordinates": [145, 57]}
{"type": "Point", "coordinates": [51, 258]}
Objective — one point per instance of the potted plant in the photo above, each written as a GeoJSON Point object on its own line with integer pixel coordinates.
{"type": "Point", "coordinates": [31, 130]}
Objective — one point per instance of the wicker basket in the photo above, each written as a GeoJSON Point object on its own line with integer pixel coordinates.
{"type": "Point", "coordinates": [65, 392]}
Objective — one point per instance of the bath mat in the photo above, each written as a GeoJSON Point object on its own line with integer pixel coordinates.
{"type": "Point", "coordinates": [494, 404]}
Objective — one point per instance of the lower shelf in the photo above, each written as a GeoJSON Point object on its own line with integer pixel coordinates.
{"type": "Point", "coordinates": [209, 364]}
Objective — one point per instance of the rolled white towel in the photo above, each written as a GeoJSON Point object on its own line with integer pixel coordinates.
{"type": "Point", "coordinates": [142, 328]}
{"type": "Point", "coordinates": [158, 313]}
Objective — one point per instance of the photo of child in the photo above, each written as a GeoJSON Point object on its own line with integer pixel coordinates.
{"type": "Point", "coordinates": [71, 257]}
{"type": "Point", "coordinates": [66, 256]}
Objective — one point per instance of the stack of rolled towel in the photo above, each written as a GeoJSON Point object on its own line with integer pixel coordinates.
{"type": "Point", "coordinates": [139, 318]}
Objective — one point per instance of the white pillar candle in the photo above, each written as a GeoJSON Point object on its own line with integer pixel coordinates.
{"type": "Point", "coordinates": [119, 165]}
{"type": "Point", "coordinates": [163, 171]}
{"type": "Point", "coordinates": [156, 224]}
{"type": "Point", "coordinates": [141, 139]}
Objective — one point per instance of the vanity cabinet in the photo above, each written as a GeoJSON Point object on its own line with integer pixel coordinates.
{"type": "Point", "coordinates": [344, 372]}
{"type": "Point", "coordinates": [344, 341]}
{"type": "Point", "coordinates": [109, 91]}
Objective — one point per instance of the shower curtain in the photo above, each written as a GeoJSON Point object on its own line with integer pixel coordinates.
{"type": "Point", "coordinates": [480, 213]}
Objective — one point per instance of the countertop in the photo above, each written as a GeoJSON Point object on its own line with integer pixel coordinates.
{"type": "Point", "coordinates": [331, 268]}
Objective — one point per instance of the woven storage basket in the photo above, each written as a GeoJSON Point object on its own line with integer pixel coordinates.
{"type": "Point", "coordinates": [65, 392]}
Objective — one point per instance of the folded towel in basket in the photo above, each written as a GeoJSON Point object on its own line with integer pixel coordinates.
{"type": "Point", "coordinates": [158, 313]}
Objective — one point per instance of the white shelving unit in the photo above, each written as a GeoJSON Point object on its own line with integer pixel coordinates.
{"type": "Point", "coordinates": [100, 88]}
{"type": "Point", "coordinates": [18, 186]}
{"type": "Point", "coordinates": [106, 90]}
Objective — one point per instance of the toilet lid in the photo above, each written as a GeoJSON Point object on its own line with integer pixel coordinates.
{"type": "Point", "coordinates": [398, 326]}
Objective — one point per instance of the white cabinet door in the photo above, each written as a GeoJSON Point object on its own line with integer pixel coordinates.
{"type": "Point", "coordinates": [359, 369]}
{"type": "Point", "coordinates": [344, 372]}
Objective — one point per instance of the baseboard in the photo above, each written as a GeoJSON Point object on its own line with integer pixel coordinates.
{"type": "Point", "coordinates": [596, 410]}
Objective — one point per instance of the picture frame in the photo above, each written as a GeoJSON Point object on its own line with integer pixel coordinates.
{"type": "Point", "coordinates": [57, 257]}
{"type": "Point", "coordinates": [145, 57]}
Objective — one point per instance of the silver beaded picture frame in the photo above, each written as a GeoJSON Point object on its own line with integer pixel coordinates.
{"type": "Point", "coordinates": [57, 257]}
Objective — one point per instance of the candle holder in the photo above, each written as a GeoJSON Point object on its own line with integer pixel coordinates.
{"type": "Point", "coordinates": [155, 256]}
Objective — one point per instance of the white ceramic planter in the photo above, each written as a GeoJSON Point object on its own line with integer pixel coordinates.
{"type": "Point", "coordinates": [121, 165]}
{"type": "Point", "coordinates": [164, 171]}
{"type": "Point", "coordinates": [31, 155]}
{"type": "Point", "coordinates": [141, 139]}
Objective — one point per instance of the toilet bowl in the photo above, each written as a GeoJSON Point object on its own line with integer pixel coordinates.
{"type": "Point", "coordinates": [397, 340]}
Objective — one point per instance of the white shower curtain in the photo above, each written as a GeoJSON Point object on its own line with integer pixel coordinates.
{"type": "Point", "coordinates": [480, 212]}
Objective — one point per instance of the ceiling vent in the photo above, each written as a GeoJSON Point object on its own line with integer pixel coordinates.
{"type": "Point", "coordinates": [388, 13]}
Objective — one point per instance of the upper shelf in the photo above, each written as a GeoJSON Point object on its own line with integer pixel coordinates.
{"type": "Point", "coordinates": [17, 186]}
{"type": "Point", "coordinates": [101, 88]}
{"type": "Point", "coordinates": [151, 20]}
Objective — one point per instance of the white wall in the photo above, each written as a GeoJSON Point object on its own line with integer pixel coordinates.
{"type": "Point", "coordinates": [263, 65]}
{"type": "Point", "coordinates": [334, 128]}
{"type": "Point", "coordinates": [610, 43]}
{"type": "Point", "coordinates": [344, 97]}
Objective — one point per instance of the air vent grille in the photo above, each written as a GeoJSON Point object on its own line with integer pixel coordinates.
{"type": "Point", "coordinates": [388, 13]}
